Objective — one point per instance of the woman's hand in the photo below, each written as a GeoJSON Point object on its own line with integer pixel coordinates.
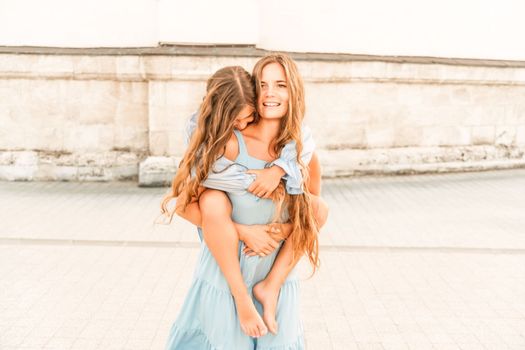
{"type": "Point", "coordinates": [259, 239]}
{"type": "Point", "coordinates": [266, 182]}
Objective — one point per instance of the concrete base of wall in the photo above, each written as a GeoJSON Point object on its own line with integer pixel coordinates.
{"type": "Point", "coordinates": [416, 160]}
{"type": "Point", "coordinates": [54, 166]}
{"type": "Point", "coordinates": [159, 171]}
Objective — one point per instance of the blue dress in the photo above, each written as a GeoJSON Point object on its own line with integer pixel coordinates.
{"type": "Point", "coordinates": [208, 319]}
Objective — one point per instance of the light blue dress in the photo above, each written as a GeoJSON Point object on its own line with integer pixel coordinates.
{"type": "Point", "coordinates": [208, 319]}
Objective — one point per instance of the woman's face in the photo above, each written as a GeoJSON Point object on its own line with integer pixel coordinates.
{"type": "Point", "coordinates": [272, 101]}
{"type": "Point", "coordinates": [245, 117]}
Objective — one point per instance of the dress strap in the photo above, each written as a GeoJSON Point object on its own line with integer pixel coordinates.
{"type": "Point", "coordinates": [243, 151]}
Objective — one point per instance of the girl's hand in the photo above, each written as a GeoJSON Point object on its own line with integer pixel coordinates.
{"type": "Point", "coordinates": [259, 239]}
{"type": "Point", "coordinates": [266, 182]}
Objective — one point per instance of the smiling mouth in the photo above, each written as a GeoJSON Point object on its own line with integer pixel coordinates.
{"type": "Point", "coordinates": [271, 104]}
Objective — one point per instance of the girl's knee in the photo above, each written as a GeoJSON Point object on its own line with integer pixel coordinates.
{"type": "Point", "coordinates": [214, 201]}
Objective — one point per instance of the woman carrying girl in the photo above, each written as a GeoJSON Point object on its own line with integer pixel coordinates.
{"type": "Point", "coordinates": [219, 311]}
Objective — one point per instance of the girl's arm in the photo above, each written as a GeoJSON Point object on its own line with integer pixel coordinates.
{"type": "Point", "coordinates": [284, 167]}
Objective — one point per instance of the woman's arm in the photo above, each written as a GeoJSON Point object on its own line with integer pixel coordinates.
{"type": "Point", "coordinates": [319, 205]}
{"type": "Point", "coordinates": [314, 186]}
{"type": "Point", "coordinates": [314, 178]}
{"type": "Point", "coordinates": [282, 231]}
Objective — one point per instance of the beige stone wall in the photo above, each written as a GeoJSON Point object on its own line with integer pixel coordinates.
{"type": "Point", "coordinates": [89, 116]}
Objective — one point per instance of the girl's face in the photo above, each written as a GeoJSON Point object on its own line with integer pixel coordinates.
{"type": "Point", "coordinates": [245, 117]}
{"type": "Point", "coordinates": [272, 102]}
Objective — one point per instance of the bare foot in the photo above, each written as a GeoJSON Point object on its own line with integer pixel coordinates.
{"type": "Point", "coordinates": [268, 297]}
{"type": "Point", "coordinates": [251, 322]}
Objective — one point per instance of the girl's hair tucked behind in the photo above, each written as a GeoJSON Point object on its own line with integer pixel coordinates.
{"type": "Point", "coordinates": [300, 210]}
{"type": "Point", "coordinates": [228, 91]}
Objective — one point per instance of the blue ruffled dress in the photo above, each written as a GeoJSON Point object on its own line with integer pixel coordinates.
{"type": "Point", "coordinates": [208, 319]}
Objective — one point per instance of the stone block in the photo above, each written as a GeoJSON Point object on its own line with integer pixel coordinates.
{"type": "Point", "coordinates": [520, 135]}
{"type": "Point", "coordinates": [407, 136]}
{"type": "Point", "coordinates": [45, 138]}
{"type": "Point", "coordinates": [183, 98]}
{"type": "Point", "coordinates": [461, 95]}
{"type": "Point", "coordinates": [380, 137]}
{"type": "Point", "coordinates": [446, 136]}
{"type": "Point", "coordinates": [122, 172]}
{"type": "Point", "coordinates": [7, 158]}
{"type": "Point", "coordinates": [201, 68]}
{"type": "Point", "coordinates": [89, 138]}
{"type": "Point", "coordinates": [342, 135]}
{"type": "Point", "coordinates": [130, 67]}
{"type": "Point", "coordinates": [131, 138]}
{"type": "Point", "coordinates": [53, 65]}
{"type": "Point", "coordinates": [16, 63]}
{"type": "Point", "coordinates": [132, 105]}
{"type": "Point", "coordinates": [89, 66]}
{"type": "Point", "coordinates": [158, 143]}
{"type": "Point", "coordinates": [505, 135]}
{"type": "Point", "coordinates": [87, 159]}
{"type": "Point", "coordinates": [26, 158]}
{"type": "Point", "coordinates": [166, 143]}
{"type": "Point", "coordinates": [515, 114]}
{"type": "Point", "coordinates": [18, 172]}
{"type": "Point", "coordinates": [176, 145]}
{"type": "Point", "coordinates": [34, 104]}
{"type": "Point", "coordinates": [483, 135]}
{"type": "Point", "coordinates": [66, 173]}
{"type": "Point", "coordinates": [126, 158]}
{"type": "Point", "coordinates": [46, 172]}
{"type": "Point", "coordinates": [92, 102]}
{"type": "Point", "coordinates": [157, 171]}
{"type": "Point", "coordinates": [158, 67]}
{"type": "Point", "coordinates": [92, 173]}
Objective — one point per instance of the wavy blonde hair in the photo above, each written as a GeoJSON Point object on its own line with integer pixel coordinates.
{"type": "Point", "coordinates": [305, 230]}
{"type": "Point", "coordinates": [228, 91]}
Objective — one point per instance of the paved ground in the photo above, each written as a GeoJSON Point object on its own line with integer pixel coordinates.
{"type": "Point", "coordinates": [414, 262]}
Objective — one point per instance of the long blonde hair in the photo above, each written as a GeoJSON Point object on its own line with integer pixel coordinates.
{"type": "Point", "coordinates": [300, 209]}
{"type": "Point", "coordinates": [228, 91]}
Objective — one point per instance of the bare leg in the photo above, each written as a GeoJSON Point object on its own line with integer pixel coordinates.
{"type": "Point", "coordinates": [267, 291]}
{"type": "Point", "coordinates": [222, 240]}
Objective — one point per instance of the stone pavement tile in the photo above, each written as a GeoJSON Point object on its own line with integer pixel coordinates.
{"type": "Point", "coordinates": [370, 346]}
{"type": "Point", "coordinates": [473, 346]}
{"type": "Point", "coordinates": [318, 339]}
{"type": "Point", "coordinates": [338, 342]}
{"type": "Point", "coordinates": [446, 346]}
{"type": "Point", "coordinates": [85, 344]}
{"type": "Point", "coordinates": [495, 346]}
{"type": "Point", "coordinates": [59, 343]}
{"type": "Point", "coordinates": [139, 343]}
{"type": "Point", "coordinates": [31, 341]}
{"type": "Point", "coordinates": [395, 345]}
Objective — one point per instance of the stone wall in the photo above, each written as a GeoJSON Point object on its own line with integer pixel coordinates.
{"type": "Point", "coordinates": [98, 114]}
